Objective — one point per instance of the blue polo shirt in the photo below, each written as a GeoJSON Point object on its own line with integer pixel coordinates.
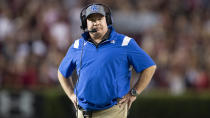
{"type": "Point", "coordinates": [105, 70]}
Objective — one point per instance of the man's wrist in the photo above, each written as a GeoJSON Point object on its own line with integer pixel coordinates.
{"type": "Point", "coordinates": [134, 92]}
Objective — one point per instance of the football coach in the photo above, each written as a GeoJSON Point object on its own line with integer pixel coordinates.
{"type": "Point", "coordinates": [103, 60]}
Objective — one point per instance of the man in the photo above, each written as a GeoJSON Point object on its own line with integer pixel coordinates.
{"type": "Point", "coordinates": [102, 58]}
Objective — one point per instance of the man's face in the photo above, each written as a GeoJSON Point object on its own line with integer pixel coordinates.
{"type": "Point", "coordinates": [98, 22]}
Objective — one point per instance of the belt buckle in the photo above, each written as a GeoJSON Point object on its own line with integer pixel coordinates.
{"type": "Point", "coordinates": [87, 113]}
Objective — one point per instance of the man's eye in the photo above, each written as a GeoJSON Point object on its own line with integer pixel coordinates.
{"type": "Point", "coordinates": [92, 20]}
{"type": "Point", "coordinates": [95, 19]}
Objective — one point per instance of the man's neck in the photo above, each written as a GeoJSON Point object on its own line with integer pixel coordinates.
{"type": "Point", "coordinates": [101, 38]}
{"type": "Point", "coordinates": [97, 41]}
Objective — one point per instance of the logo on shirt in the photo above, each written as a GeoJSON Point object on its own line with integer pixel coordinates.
{"type": "Point", "coordinates": [85, 43]}
{"type": "Point", "coordinates": [113, 42]}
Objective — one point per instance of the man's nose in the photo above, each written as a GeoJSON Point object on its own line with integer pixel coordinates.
{"type": "Point", "coordinates": [96, 22]}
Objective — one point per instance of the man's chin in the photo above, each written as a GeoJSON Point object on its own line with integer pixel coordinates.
{"type": "Point", "coordinates": [96, 35]}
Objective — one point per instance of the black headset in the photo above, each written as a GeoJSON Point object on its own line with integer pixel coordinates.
{"type": "Point", "coordinates": [84, 19]}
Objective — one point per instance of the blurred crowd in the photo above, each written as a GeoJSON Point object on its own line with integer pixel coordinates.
{"type": "Point", "coordinates": [35, 35]}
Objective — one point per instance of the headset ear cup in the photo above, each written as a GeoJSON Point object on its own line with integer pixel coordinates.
{"type": "Point", "coordinates": [83, 19]}
{"type": "Point", "coordinates": [84, 22]}
{"type": "Point", "coordinates": [108, 19]}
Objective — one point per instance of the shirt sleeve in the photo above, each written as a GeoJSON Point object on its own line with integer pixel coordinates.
{"type": "Point", "coordinates": [137, 57]}
{"type": "Point", "coordinates": [68, 63]}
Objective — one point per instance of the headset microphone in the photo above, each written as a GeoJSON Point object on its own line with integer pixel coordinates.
{"type": "Point", "coordinates": [92, 31]}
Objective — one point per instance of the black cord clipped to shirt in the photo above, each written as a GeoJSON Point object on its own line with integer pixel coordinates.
{"type": "Point", "coordinates": [78, 78]}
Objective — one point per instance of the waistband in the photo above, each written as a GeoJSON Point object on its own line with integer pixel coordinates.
{"type": "Point", "coordinates": [80, 108]}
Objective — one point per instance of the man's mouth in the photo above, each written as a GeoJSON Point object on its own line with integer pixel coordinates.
{"type": "Point", "coordinates": [95, 29]}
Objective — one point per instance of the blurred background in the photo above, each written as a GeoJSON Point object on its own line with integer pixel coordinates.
{"type": "Point", "coordinates": [35, 35]}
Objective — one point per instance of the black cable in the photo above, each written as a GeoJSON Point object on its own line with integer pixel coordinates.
{"type": "Point", "coordinates": [79, 77]}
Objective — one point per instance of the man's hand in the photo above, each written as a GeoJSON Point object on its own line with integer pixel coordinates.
{"type": "Point", "coordinates": [127, 99]}
{"type": "Point", "coordinates": [68, 88]}
{"type": "Point", "coordinates": [74, 100]}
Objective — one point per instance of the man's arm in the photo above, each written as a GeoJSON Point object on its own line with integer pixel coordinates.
{"type": "Point", "coordinates": [68, 88]}
{"type": "Point", "coordinates": [143, 81]}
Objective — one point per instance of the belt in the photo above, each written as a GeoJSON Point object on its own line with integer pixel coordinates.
{"type": "Point", "coordinates": [88, 113]}
{"type": "Point", "coordinates": [85, 113]}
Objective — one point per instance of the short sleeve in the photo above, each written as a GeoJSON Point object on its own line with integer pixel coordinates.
{"type": "Point", "coordinates": [68, 63]}
{"type": "Point", "coordinates": [137, 57]}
